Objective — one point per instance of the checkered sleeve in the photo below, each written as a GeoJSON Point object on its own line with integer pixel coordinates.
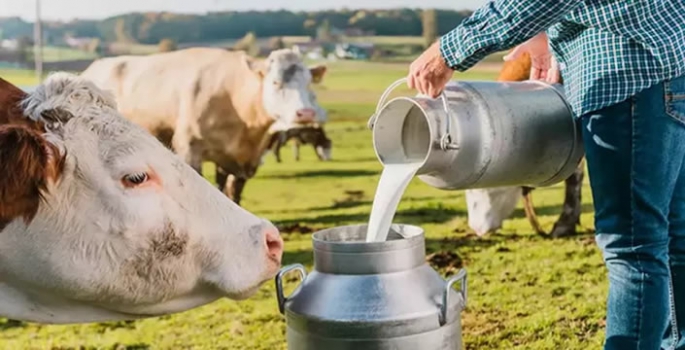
{"type": "Point", "coordinates": [500, 25]}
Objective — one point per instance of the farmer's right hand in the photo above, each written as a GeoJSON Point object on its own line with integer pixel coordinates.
{"type": "Point", "coordinates": [543, 65]}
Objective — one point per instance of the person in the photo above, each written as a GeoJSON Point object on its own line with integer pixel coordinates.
{"type": "Point", "coordinates": [623, 67]}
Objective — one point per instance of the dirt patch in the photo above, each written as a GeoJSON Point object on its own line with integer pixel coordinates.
{"type": "Point", "coordinates": [295, 228]}
{"type": "Point", "coordinates": [451, 262]}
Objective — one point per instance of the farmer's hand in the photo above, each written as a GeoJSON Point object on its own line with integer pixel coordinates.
{"type": "Point", "coordinates": [543, 65]}
{"type": "Point", "coordinates": [429, 73]}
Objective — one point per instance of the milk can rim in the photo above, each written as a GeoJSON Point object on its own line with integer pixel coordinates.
{"type": "Point", "coordinates": [364, 247]}
{"type": "Point", "coordinates": [413, 100]}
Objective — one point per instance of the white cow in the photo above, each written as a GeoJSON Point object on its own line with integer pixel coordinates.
{"type": "Point", "coordinates": [99, 221]}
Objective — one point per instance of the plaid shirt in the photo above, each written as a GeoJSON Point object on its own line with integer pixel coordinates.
{"type": "Point", "coordinates": [608, 50]}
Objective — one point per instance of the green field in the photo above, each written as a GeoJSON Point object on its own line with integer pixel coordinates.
{"type": "Point", "coordinates": [525, 292]}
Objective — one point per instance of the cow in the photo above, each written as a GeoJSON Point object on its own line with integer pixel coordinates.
{"type": "Point", "coordinates": [210, 104]}
{"type": "Point", "coordinates": [314, 136]}
{"type": "Point", "coordinates": [488, 208]}
{"type": "Point", "coordinates": [99, 221]}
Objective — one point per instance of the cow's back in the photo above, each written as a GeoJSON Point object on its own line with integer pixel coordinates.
{"type": "Point", "coordinates": [156, 90]}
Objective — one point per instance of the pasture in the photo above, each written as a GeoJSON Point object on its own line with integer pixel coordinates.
{"type": "Point", "coordinates": [525, 292]}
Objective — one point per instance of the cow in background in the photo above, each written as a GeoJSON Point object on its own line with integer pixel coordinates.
{"type": "Point", "coordinates": [488, 208]}
{"type": "Point", "coordinates": [209, 104]}
{"type": "Point", "coordinates": [314, 136]}
{"type": "Point", "coordinates": [99, 221]}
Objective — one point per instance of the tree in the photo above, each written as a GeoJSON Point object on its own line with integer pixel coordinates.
{"type": "Point", "coordinates": [323, 33]}
{"type": "Point", "coordinates": [166, 45]}
{"type": "Point", "coordinates": [276, 43]}
{"type": "Point", "coordinates": [429, 23]}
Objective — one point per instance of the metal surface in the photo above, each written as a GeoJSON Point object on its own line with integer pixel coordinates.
{"type": "Point", "coordinates": [445, 140]}
{"type": "Point", "coordinates": [461, 278]}
{"type": "Point", "coordinates": [279, 283]}
{"type": "Point", "coordinates": [376, 295]}
{"type": "Point", "coordinates": [509, 134]}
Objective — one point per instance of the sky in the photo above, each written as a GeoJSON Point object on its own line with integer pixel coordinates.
{"type": "Point", "coordinates": [98, 9]}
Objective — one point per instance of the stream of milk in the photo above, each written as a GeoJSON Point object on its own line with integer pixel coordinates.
{"type": "Point", "coordinates": [393, 182]}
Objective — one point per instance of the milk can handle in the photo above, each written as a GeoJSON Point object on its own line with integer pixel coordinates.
{"type": "Point", "coordinates": [445, 140]}
{"type": "Point", "coordinates": [279, 283]}
{"type": "Point", "coordinates": [459, 277]}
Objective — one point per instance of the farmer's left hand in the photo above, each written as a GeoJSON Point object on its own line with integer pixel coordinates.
{"type": "Point", "coordinates": [429, 73]}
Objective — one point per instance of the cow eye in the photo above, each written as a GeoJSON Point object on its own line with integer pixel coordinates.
{"type": "Point", "coordinates": [135, 179]}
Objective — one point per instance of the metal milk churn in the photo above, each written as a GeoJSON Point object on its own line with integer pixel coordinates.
{"type": "Point", "coordinates": [481, 134]}
{"type": "Point", "coordinates": [376, 295]}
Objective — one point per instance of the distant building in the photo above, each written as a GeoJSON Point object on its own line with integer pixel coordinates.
{"type": "Point", "coordinates": [9, 44]}
{"type": "Point", "coordinates": [356, 51]}
{"type": "Point", "coordinates": [308, 47]}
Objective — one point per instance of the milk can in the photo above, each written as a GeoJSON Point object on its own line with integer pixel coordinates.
{"type": "Point", "coordinates": [481, 134]}
{"type": "Point", "coordinates": [377, 295]}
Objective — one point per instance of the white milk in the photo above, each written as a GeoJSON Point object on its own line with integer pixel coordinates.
{"type": "Point", "coordinates": [401, 165]}
{"type": "Point", "coordinates": [393, 182]}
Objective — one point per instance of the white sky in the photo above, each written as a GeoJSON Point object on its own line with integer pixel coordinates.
{"type": "Point", "coordinates": [97, 9]}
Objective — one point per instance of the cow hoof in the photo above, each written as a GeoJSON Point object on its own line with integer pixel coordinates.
{"type": "Point", "coordinates": [560, 231]}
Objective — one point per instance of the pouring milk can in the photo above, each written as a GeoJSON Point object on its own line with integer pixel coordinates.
{"type": "Point", "coordinates": [481, 134]}
{"type": "Point", "coordinates": [377, 295]}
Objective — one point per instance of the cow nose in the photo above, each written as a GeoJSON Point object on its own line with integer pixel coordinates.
{"type": "Point", "coordinates": [306, 115]}
{"type": "Point", "coordinates": [274, 244]}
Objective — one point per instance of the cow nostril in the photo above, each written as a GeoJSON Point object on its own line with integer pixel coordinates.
{"type": "Point", "coordinates": [274, 244]}
{"type": "Point", "coordinates": [306, 113]}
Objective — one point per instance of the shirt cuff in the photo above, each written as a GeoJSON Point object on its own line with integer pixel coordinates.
{"type": "Point", "coordinates": [453, 52]}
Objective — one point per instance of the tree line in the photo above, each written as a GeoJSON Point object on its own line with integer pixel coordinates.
{"type": "Point", "coordinates": [151, 28]}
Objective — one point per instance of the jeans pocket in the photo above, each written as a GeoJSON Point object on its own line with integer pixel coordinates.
{"type": "Point", "coordinates": [674, 98]}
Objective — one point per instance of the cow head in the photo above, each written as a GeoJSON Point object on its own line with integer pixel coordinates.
{"type": "Point", "coordinates": [286, 91]}
{"type": "Point", "coordinates": [488, 208]}
{"type": "Point", "coordinates": [99, 221]}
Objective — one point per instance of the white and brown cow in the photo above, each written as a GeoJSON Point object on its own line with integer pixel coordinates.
{"type": "Point", "coordinates": [488, 208]}
{"type": "Point", "coordinates": [100, 221]}
{"type": "Point", "coordinates": [212, 104]}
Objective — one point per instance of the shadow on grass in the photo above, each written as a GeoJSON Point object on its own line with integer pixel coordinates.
{"type": "Point", "coordinates": [6, 324]}
{"type": "Point", "coordinates": [321, 173]}
{"type": "Point", "coordinates": [417, 216]}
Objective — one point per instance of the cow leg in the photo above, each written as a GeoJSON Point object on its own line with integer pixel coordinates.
{"type": "Point", "coordinates": [221, 176]}
{"type": "Point", "coordinates": [277, 147]}
{"type": "Point", "coordinates": [570, 215]}
{"type": "Point", "coordinates": [190, 150]}
{"type": "Point", "coordinates": [529, 209]}
{"type": "Point", "coordinates": [275, 143]}
{"type": "Point", "coordinates": [296, 149]}
{"type": "Point", "coordinates": [229, 184]}
{"type": "Point", "coordinates": [234, 188]}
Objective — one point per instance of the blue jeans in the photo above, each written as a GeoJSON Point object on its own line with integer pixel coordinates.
{"type": "Point", "coordinates": [635, 152]}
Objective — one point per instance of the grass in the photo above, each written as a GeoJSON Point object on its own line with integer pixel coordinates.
{"type": "Point", "coordinates": [525, 292]}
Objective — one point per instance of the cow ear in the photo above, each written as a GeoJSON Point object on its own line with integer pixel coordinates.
{"type": "Point", "coordinates": [27, 165]}
{"type": "Point", "coordinates": [317, 73]}
{"type": "Point", "coordinates": [55, 118]}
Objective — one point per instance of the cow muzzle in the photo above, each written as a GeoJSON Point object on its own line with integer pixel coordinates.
{"type": "Point", "coordinates": [305, 116]}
